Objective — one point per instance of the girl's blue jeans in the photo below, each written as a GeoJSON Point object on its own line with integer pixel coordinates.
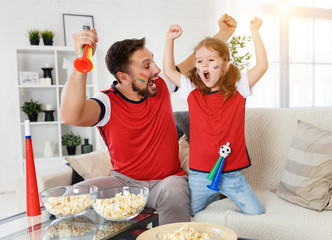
{"type": "Point", "coordinates": [233, 185]}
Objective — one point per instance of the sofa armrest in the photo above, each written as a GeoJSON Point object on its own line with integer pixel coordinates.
{"type": "Point", "coordinates": [46, 179]}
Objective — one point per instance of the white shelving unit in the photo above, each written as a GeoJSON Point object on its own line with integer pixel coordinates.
{"type": "Point", "coordinates": [33, 59]}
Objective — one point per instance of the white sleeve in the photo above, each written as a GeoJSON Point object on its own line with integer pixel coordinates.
{"type": "Point", "coordinates": [186, 86]}
{"type": "Point", "coordinates": [171, 86]}
{"type": "Point", "coordinates": [243, 86]}
{"type": "Point", "coordinates": [105, 106]}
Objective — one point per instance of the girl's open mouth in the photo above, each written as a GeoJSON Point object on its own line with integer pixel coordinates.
{"type": "Point", "coordinates": [206, 75]}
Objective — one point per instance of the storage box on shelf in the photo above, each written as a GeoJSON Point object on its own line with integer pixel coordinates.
{"type": "Point", "coordinates": [46, 135]}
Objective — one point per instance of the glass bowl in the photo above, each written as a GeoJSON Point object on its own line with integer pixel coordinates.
{"type": "Point", "coordinates": [67, 201]}
{"type": "Point", "coordinates": [110, 227]}
{"type": "Point", "coordinates": [202, 232]}
{"type": "Point", "coordinates": [119, 203]}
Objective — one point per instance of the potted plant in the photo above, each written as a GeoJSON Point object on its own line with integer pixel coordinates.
{"type": "Point", "coordinates": [32, 108]}
{"type": "Point", "coordinates": [47, 37]}
{"type": "Point", "coordinates": [34, 36]}
{"type": "Point", "coordinates": [240, 57]}
{"type": "Point", "coordinates": [71, 141]}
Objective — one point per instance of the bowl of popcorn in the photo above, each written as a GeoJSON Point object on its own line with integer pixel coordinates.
{"type": "Point", "coordinates": [193, 232]}
{"type": "Point", "coordinates": [119, 203]}
{"type": "Point", "coordinates": [67, 201]}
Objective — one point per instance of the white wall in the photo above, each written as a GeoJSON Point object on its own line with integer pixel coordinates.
{"type": "Point", "coordinates": [114, 20]}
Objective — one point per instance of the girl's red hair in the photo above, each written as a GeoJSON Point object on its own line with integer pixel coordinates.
{"type": "Point", "coordinates": [226, 83]}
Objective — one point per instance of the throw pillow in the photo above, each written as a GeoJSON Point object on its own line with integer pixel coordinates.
{"type": "Point", "coordinates": [184, 153]}
{"type": "Point", "coordinates": [307, 178]}
{"type": "Point", "coordinates": [90, 165]}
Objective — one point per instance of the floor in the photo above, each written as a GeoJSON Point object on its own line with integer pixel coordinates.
{"type": "Point", "coordinates": [7, 204]}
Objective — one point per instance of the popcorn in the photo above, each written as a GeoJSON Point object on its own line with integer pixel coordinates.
{"type": "Point", "coordinates": [186, 233]}
{"type": "Point", "coordinates": [110, 227]}
{"type": "Point", "coordinates": [68, 205]}
{"type": "Point", "coordinates": [69, 228]}
{"type": "Point", "coordinates": [120, 206]}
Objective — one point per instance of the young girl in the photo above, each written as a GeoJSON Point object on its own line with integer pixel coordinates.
{"type": "Point", "coordinates": [216, 93]}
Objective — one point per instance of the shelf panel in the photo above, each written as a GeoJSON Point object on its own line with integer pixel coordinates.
{"type": "Point", "coordinates": [36, 86]}
{"type": "Point", "coordinates": [42, 123]}
{"type": "Point", "coordinates": [38, 49]}
{"type": "Point", "coordinates": [88, 86]}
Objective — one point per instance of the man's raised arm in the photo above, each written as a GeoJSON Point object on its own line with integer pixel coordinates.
{"type": "Point", "coordinates": [75, 108]}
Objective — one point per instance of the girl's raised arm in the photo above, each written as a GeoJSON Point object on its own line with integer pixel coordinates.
{"type": "Point", "coordinates": [169, 69]}
{"type": "Point", "coordinates": [261, 66]}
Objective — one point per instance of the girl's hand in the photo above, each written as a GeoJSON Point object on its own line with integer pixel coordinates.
{"type": "Point", "coordinates": [255, 23]}
{"type": "Point", "coordinates": [174, 31]}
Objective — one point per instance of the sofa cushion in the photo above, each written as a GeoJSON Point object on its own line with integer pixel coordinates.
{"type": "Point", "coordinates": [182, 123]}
{"type": "Point", "coordinates": [90, 165]}
{"type": "Point", "coordinates": [184, 153]}
{"type": "Point", "coordinates": [307, 177]}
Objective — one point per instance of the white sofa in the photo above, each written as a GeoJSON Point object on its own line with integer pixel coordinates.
{"type": "Point", "coordinates": [269, 134]}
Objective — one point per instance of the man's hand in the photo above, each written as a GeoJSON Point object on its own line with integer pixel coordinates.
{"type": "Point", "coordinates": [255, 24]}
{"type": "Point", "coordinates": [227, 26]}
{"type": "Point", "coordinates": [85, 37]}
{"type": "Point", "coordinates": [174, 32]}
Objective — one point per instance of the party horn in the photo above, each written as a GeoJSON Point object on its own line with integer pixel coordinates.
{"type": "Point", "coordinates": [83, 63]}
{"type": "Point", "coordinates": [215, 173]}
{"type": "Point", "coordinates": [216, 179]}
{"type": "Point", "coordinates": [33, 205]}
{"type": "Point", "coordinates": [214, 169]}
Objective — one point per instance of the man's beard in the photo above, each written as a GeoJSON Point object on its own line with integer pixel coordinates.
{"type": "Point", "coordinates": [143, 92]}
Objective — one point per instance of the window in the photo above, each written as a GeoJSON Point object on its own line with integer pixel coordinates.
{"type": "Point", "coordinates": [298, 37]}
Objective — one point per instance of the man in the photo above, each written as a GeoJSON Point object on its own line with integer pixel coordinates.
{"type": "Point", "coordinates": [136, 121]}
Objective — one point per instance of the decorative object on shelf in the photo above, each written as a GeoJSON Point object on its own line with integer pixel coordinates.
{"type": "Point", "coordinates": [47, 72]}
{"type": "Point", "coordinates": [48, 149]}
{"type": "Point", "coordinates": [71, 141]}
{"type": "Point", "coordinates": [31, 78]}
{"type": "Point", "coordinates": [34, 36]}
{"type": "Point", "coordinates": [32, 109]}
{"type": "Point", "coordinates": [47, 37]}
{"type": "Point", "coordinates": [74, 23]}
{"type": "Point", "coordinates": [86, 147]}
{"type": "Point", "coordinates": [49, 113]}
{"type": "Point", "coordinates": [45, 81]}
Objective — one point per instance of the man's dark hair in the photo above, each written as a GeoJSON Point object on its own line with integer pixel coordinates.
{"type": "Point", "coordinates": [118, 55]}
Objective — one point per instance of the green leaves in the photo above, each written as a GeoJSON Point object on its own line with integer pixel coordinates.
{"type": "Point", "coordinates": [47, 35]}
{"type": "Point", "coordinates": [34, 34]}
{"type": "Point", "coordinates": [37, 34]}
{"type": "Point", "coordinates": [71, 140]}
{"type": "Point", "coordinates": [236, 46]}
{"type": "Point", "coordinates": [31, 107]}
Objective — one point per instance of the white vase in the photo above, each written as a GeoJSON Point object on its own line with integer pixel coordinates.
{"type": "Point", "coordinates": [48, 149]}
